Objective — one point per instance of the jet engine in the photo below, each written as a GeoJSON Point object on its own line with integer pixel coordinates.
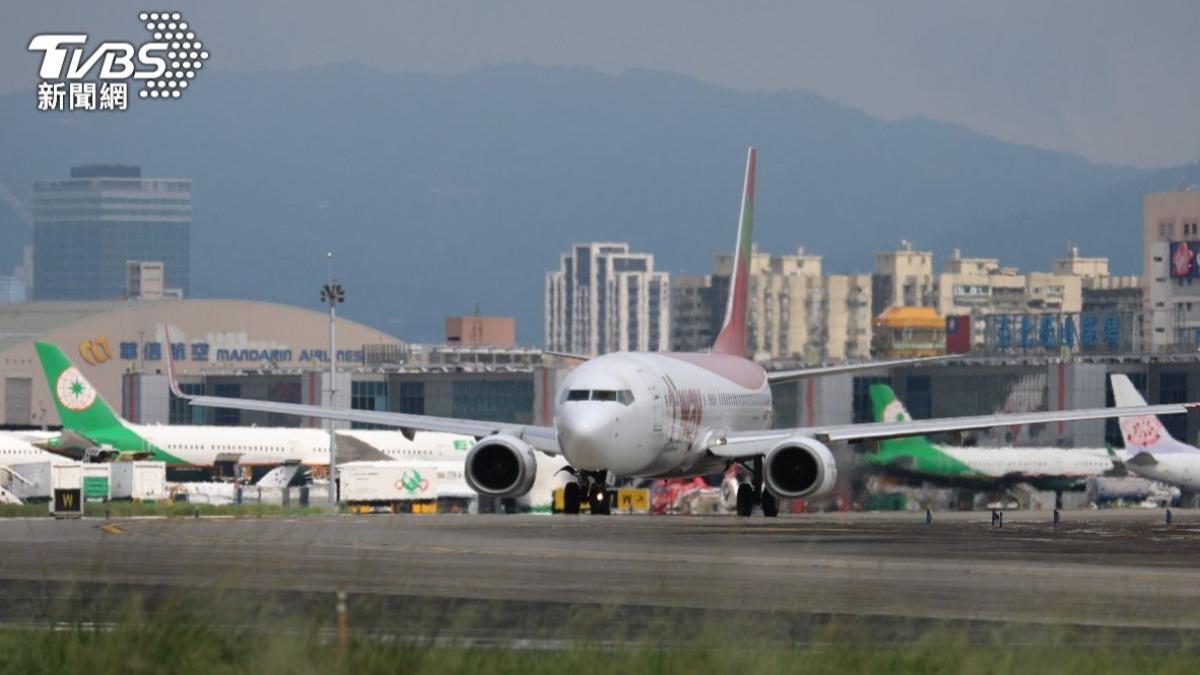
{"type": "Point", "coordinates": [800, 467]}
{"type": "Point", "coordinates": [501, 466]}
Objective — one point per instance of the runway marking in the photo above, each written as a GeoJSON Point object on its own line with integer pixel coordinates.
{"type": "Point", "coordinates": [112, 528]}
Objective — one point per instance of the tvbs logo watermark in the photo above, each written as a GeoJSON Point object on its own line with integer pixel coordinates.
{"type": "Point", "coordinates": [74, 78]}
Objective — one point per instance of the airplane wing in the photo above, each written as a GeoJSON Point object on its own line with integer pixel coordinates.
{"type": "Point", "coordinates": [544, 439]}
{"type": "Point", "coordinates": [566, 355]}
{"type": "Point", "coordinates": [736, 445]}
{"type": "Point", "coordinates": [780, 376]}
{"type": "Point", "coordinates": [353, 449]}
{"type": "Point", "coordinates": [541, 438]}
{"type": "Point", "coordinates": [66, 443]}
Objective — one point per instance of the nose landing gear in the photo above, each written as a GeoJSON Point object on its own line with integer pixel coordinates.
{"type": "Point", "coordinates": [752, 493]}
{"type": "Point", "coordinates": [598, 500]}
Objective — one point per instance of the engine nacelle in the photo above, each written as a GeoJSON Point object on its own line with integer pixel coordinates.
{"type": "Point", "coordinates": [501, 466]}
{"type": "Point", "coordinates": [800, 467]}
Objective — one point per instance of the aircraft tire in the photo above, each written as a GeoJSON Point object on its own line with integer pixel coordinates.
{"type": "Point", "coordinates": [571, 498]}
{"type": "Point", "coordinates": [770, 505]}
{"type": "Point", "coordinates": [745, 500]}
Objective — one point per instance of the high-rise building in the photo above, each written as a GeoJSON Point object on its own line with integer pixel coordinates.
{"type": "Point", "coordinates": [980, 287]}
{"type": "Point", "coordinates": [1171, 270]}
{"type": "Point", "coordinates": [784, 318]}
{"type": "Point", "coordinates": [605, 298]}
{"type": "Point", "coordinates": [903, 278]}
{"type": "Point", "coordinates": [12, 289]}
{"type": "Point", "coordinates": [88, 227]}
{"type": "Point", "coordinates": [697, 309]}
{"type": "Point", "coordinates": [848, 320]}
{"type": "Point", "coordinates": [794, 312]}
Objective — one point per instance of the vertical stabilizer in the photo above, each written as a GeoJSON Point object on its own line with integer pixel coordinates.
{"type": "Point", "coordinates": [80, 407]}
{"type": "Point", "coordinates": [732, 338]}
{"type": "Point", "coordinates": [888, 408]}
{"type": "Point", "coordinates": [912, 455]}
{"type": "Point", "coordinates": [1142, 433]}
{"type": "Point", "coordinates": [84, 412]}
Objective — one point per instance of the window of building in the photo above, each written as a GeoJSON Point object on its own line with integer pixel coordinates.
{"type": "Point", "coordinates": [369, 395]}
{"type": "Point", "coordinates": [508, 400]}
{"type": "Point", "coordinates": [227, 417]}
{"type": "Point", "coordinates": [1172, 388]}
{"type": "Point", "coordinates": [410, 398]}
{"type": "Point", "coordinates": [919, 397]}
{"type": "Point", "coordinates": [183, 413]}
{"type": "Point", "coordinates": [862, 410]}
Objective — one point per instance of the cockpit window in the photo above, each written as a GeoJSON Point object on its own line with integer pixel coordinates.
{"type": "Point", "coordinates": [622, 396]}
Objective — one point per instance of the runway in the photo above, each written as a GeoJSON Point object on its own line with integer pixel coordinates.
{"type": "Point", "coordinates": [1099, 568]}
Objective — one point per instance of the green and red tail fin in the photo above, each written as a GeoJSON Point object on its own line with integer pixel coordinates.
{"type": "Point", "coordinates": [732, 338]}
{"type": "Point", "coordinates": [80, 407]}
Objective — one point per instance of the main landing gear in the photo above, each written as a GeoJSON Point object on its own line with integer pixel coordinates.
{"type": "Point", "coordinates": [591, 485]}
{"type": "Point", "coordinates": [752, 493]}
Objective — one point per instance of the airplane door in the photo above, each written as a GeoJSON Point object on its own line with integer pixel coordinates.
{"type": "Point", "coordinates": [656, 393]}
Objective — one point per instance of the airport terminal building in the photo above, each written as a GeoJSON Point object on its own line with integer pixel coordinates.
{"type": "Point", "coordinates": [254, 350]}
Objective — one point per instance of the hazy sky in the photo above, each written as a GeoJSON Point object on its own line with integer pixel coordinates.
{"type": "Point", "coordinates": [1115, 81]}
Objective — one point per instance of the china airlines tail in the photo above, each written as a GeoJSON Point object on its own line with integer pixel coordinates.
{"type": "Point", "coordinates": [1144, 433]}
{"type": "Point", "coordinates": [732, 338]}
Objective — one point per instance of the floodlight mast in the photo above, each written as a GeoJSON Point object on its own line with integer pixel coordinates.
{"type": "Point", "coordinates": [332, 294]}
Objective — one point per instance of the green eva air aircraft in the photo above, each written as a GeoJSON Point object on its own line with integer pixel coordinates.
{"type": "Point", "coordinates": [916, 459]}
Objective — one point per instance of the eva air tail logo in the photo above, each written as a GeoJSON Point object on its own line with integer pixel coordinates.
{"type": "Point", "coordinates": [895, 412]}
{"type": "Point", "coordinates": [73, 390]}
{"type": "Point", "coordinates": [412, 481]}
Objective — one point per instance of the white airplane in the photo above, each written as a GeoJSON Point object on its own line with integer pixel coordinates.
{"type": "Point", "coordinates": [916, 459]}
{"type": "Point", "coordinates": [1150, 450]}
{"type": "Point", "coordinates": [662, 414]}
{"type": "Point", "coordinates": [16, 448]}
{"type": "Point", "coordinates": [88, 421]}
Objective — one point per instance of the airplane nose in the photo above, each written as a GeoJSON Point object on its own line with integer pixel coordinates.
{"type": "Point", "coordinates": [586, 434]}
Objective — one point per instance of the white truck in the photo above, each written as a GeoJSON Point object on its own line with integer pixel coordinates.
{"type": "Point", "coordinates": [139, 481]}
{"type": "Point", "coordinates": [388, 486]}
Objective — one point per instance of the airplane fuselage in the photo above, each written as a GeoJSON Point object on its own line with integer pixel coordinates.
{"type": "Point", "coordinates": [205, 445]}
{"type": "Point", "coordinates": [1046, 468]}
{"type": "Point", "coordinates": [651, 414]}
{"type": "Point", "coordinates": [1180, 469]}
{"type": "Point", "coordinates": [17, 450]}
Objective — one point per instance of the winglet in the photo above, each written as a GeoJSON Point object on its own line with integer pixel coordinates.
{"type": "Point", "coordinates": [174, 384]}
{"type": "Point", "coordinates": [732, 338]}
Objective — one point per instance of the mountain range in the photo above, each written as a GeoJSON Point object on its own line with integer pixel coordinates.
{"type": "Point", "coordinates": [440, 193]}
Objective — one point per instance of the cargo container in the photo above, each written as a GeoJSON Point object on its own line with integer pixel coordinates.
{"type": "Point", "coordinates": [96, 480]}
{"type": "Point", "coordinates": [38, 480]}
{"type": "Point", "coordinates": [139, 481]}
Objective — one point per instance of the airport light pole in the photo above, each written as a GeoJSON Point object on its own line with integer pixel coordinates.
{"type": "Point", "coordinates": [332, 294]}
